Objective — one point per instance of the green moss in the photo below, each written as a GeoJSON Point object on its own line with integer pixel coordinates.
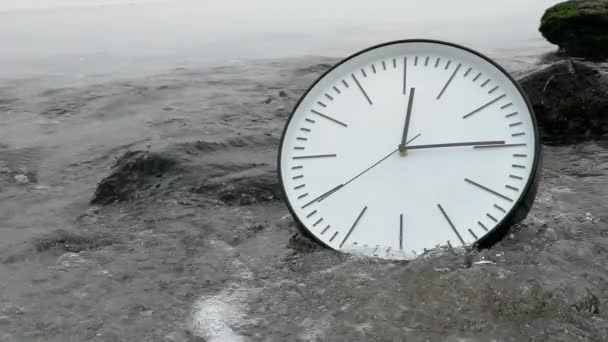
{"type": "Point", "coordinates": [560, 12]}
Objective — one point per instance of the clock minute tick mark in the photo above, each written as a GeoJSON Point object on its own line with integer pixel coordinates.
{"type": "Point", "coordinates": [517, 155]}
{"type": "Point", "coordinates": [416, 61]}
{"type": "Point", "coordinates": [437, 62]}
{"type": "Point", "coordinates": [316, 156]}
{"type": "Point", "coordinates": [297, 167]}
{"type": "Point", "coordinates": [345, 84]}
{"type": "Point", "coordinates": [485, 106]}
{"type": "Point", "coordinates": [321, 104]}
{"type": "Point", "coordinates": [499, 208]}
{"type": "Point", "coordinates": [394, 63]}
{"type": "Point", "coordinates": [305, 129]}
{"type": "Point", "coordinates": [516, 177]}
{"type": "Point", "coordinates": [467, 73]}
{"type": "Point", "coordinates": [337, 90]}
{"type": "Point", "coordinates": [507, 105]}
{"type": "Point", "coordinates": [329, 97]}
{"type": "Point", "coordinates": [485, 83]}
{"type": "Point", "coordinates": [477, 77]}
{"type": "Point", "coordinates": [298, 148]}
{"type": "Point", "coordinates": [302, 196]}
{"type": "Point", "coordinates": [482, 226]}
{"type": "Point", "coordinates": [353, 226]}
{"type": "Point", "coordinates": [401, 231]}
{"type": "Point", "coordinates": [302, 139]}
{"type": "Point", "coordinates": [362, 90]}
{"type": "Point", "coordinates": [426, 62]}
{"type": "Point", "coordinates": [328, 118]}
{"type": "Point", "coordinates": [473, 234]}
{"type": "Point", "coordinates": [373, 68]}
{"type": "Point", "coordinates": [363, 72]}
{"type": "Point", "coordinates": [309, 120]}
{"type": "Point", "coordinates": [493, 90]}
{"type": "Point", "coordinates": [298, 177]}
{"type": "Point", "coordinates": [311, 214]}
{"type": "Point", "coordinates": [445, 215]}
{"type": "Point", "coordinates": [384, 65]}
{"type": "Point", "coordinates": [518, 166]}
{"type": "Point", "coordinates": [518, 134]}
{"type": "Point", "coordinates": [317, 223]}
{"type": "Point", "coordinates": [333, 237]}
{"type": "Point", "coordinates": [449, 81]}
{"type": "Point", "coordinates": [511, 188]}
{"type": "Point", "coordinates": [516, 124]}
{"type": "Point", "coordinates": [510, 115]}
{"type": "Point", "coordinates": [447, 66]}
{"type": "Point", "coordinates": [491, 217]}
{"type": "Point", "coordinates": [299, 186]}
{"type": "Point", "coordinates": [488, 190]}
{"type": "Point", "coordinates": [325, 229]}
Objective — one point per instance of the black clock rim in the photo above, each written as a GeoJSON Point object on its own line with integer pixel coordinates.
{"type": "Point", "coordinates": [523, 204]}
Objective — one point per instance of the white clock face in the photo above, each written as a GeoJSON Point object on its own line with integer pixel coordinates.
{"type": "Point", "coordinates": [405, 147]}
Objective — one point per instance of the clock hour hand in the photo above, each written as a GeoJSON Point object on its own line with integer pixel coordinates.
{"type": "Point", "coordinates": [406, 125]}
{"type": "Point", "coordinates": [472, 143]}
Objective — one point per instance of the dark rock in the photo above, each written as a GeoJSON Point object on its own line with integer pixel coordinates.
{"type": "Point", "coordinates": [570, 99]}
{"type": "Point", "coordinates": [578, 27]}
{"type": "Point", "coordinates": [302, 243]}
{"type": "Point", "coordinates": [244, 191]}
{"type": "Point", "coordinates": [282, 93]}
{"type": "Point", "coordinates": [71, 241]}
{"type": "Point", "coordinates": [268, 100]}
{"type": "Point", "coordinates": [132, 172]}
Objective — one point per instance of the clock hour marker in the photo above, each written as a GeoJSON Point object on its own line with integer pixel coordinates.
{"type": "Point", "coordinates": [447, 66]}
{"type": "Point", "coordinates": [345, 84]}
{"type": "Point", "coordinates": [337, 90]}
{"type": "Point", "coordinates": [485, 105]}
{"type": "Point", "coordinates": [363, 72]}
{"type": "Point", "coordinates": [401, 231]}
{"type": "Point", "coordinates": [317, 223]}
{"type": "Point", "coordinates": [485, 83]}
{"type": "Point", "coordinates": [518, 134]}
{"type": "Point", "coordinates": [477, 77]}
{"type": "Point", "coordinates": [353, 226]}
{"type": "Point", "coordinates": [333, 237]}
{"type": "Point", "coordinates": [311, 214]}
{"type": "Point", "coordinates": [299, 186]}
{"type": "Point", "coordinates": [404, 74]}
{"type": "Point", "coordinates": [328, 118]}
{"type": "Point", "coordinates": [426, 62]}
{"type": "Point", "coordinates": [384, 65]}
{"type": "Point", "coordinates": [321, 104]}
{"type": "Point", "coordinates": [482, 226]}
{"type": "Point", "coordinates": [503, 145]}
{"type": "Point", "coordinates": [437, 62]}
{"type": "Point", "coordinates": [374, 68]}
{"type": "Point", "coordinates": [450, 222]}
{"type": "Point", "coordinates": [493, 90]}
{"type": "Point", "coordinates": [467, 73]}
{"type": "Point", "coordinates": [507, 105]}
{"type": "Point", "coordinates": [499, 208]}
{"type": "Point", "coordinates": [510, 115]}
{"type": "Point", "coordinates": [329, 97]}
{"type": "Point", "coordinates": [488, 190]}
{"type": "Point", "coordinates": [309, 120]}
{"type": "Point", "coordinates": [449, 81]}
{"type": "Point", "coordinates": [491, 217]}
{"type": "Point", "coordinates": [297, 167]}
{"type": "Point", "coordinates": [316, 156]}
{"type": "Point", "coordinates": [473, 234]}
{"type": "Point", "coordinates": [298, 177]}
{"type": "Point", "coordinates": [302, 196]}
{"type": "Point", "coordinates": [361, 88]}
{"type": "Point", "coordinates": [516, 177]}
{"type": "Point", "coordinates": [325, 229]}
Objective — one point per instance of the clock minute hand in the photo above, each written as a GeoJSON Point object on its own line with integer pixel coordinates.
{"type": "Point", "coordinates": [406, 125]}
{"type": "Point", "coordinates": [472, 143]}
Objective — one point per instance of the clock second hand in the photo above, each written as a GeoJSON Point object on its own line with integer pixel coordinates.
{"type": "Point", "coordinates": [330, 192]}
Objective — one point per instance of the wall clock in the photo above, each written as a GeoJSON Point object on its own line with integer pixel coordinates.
{"type": "Point", "coordinates": [407, 146]}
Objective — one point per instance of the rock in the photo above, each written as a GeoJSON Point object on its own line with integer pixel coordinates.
{"type": "Point", "coordinates": [132, 172]}
{"type": "Point", "coordinates": [578, 27]}
{"type": "Point", "coordinates": [73, 242]}
{"type": "Point", "coordinates": [282, 93]}
{"type": "Point", "coordinates": [21, 179]}
{"type": "Point", "coordinates": [570, 99]}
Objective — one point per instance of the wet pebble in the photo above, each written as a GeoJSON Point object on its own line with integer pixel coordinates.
{"type": "Point", "coordinates": [21, 179]}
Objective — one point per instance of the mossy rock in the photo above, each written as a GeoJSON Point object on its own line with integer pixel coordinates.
{"type": "Point", "coordinates": [578, 27]}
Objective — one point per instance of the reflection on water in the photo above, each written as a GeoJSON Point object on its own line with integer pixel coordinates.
{"type": "Point", "coordinates": [108, 38]}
